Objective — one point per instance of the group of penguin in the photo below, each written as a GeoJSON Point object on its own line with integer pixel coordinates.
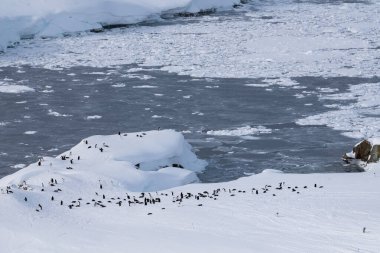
{"type": "Point", "coordinates": [145, 198]}
{"type": "Point", "coordinates": [101, 200]}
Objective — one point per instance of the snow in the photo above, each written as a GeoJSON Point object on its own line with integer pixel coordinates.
{"type": "Point", "coordinates": [317, 213]}
{"type": "Point", "coordinates": [31, 18]}
{"type": "Point", "coordinates": [374, 141]}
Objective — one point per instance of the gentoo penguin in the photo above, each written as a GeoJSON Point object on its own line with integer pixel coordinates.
{"type": "Point", "coordinates": [26, 199]}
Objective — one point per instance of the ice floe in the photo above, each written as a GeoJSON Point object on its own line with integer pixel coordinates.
{"type": "Point", "coordinates": [14, 88]}
{"type": "Point", "coordinates": [241, 131]}
{"type": "Point", "coordinates": [358, 119]}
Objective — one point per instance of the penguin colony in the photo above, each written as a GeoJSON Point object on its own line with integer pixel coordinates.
{"type": "Point", "coordinates": [102, 199]}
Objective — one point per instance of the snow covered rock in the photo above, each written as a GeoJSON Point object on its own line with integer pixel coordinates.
{"type": "Point", "coordinates": [367, 151]}
{"type": "Point", "coordinates": [146, 161]}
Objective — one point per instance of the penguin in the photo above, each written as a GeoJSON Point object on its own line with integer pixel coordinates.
{"type": "Point", "coordinates": [104, 196]}
{"type": "Point", "coordinates": [101, 186]}
{"type": "Point", "coordinates": [364, 229]}
{"type": "Point", "coordinates": [52, 198]}
{"type": "Point", "coordinates": [39, 205]}
{"type": "Point", "coordinates": [61, 202]}
{"type": "Point", "coordinates": [25, 199]}
{"type": "Point", "coordinates": [86, 142]}
{"type": "Point", "coordinates": [101, 150]}
{"type": "Point", "coordinates": [71, 161]}
{"type": "Point", "coordinates": [78, 157]}
{"type": "Point", "coordinates": [119, 133]}
{"type": "Point", "coordinates": [39, 163]}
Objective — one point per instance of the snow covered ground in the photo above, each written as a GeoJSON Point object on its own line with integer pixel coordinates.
{"type": "Point", "coordinates": [97, 206]}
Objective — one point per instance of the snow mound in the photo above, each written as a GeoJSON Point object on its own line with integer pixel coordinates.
{"type": "Point", "coordinates": [29, 18]}
{"type": "Point", "coordinates": [149, 161]}
{"type": "Point", "coordinates": [241, 131]}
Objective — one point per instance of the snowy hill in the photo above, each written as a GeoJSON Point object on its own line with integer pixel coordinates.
{"type": "Point", "coordinates": [100, 203]}
{"type": "Point", "coordinates": [29, 18]}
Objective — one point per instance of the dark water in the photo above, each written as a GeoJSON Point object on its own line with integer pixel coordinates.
{"type": "Point", "coordinates": [214, 104]}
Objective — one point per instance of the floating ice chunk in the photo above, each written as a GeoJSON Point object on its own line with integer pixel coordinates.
{"type": "Point", "coordinates": [30, 132]}
{"type": "Point", "coordinates": [241, 131]}
{"type": "Point", "coordinates": [118, 85]}
{"type": "Point", "coordinates": [19, 166]}
{"type": "Point", "coordinates": [144, 87]}
{"type": "Point", "coordinates": [57, 114]}
{"type": "Point", "coordinates": [261, 85]}
{"type": "Point", "coordinates": [13, 88]}
{"type": "Point", "coordinates": [93, 117]}
{"type": "Point", "coordinates": [47, 91]}
{"type": "Point", "coordinates": [141, 77]}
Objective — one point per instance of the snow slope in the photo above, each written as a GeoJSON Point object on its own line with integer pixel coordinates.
{"type": "Point", "coordinates": [29, 18]}
{"type": "Point", "coordinates": [306, 213]}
